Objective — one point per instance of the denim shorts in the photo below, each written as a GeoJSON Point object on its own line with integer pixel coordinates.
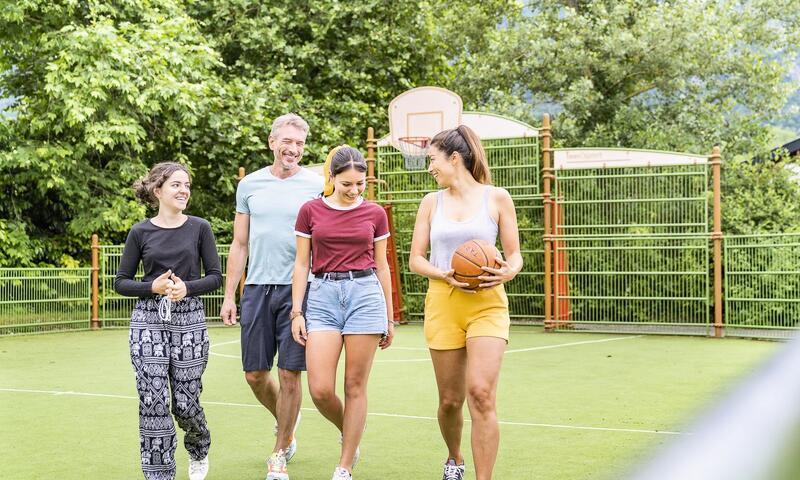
{"type": "Point", "coordinates": [350, 306]}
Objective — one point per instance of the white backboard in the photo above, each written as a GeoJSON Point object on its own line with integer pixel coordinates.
{"type": "Point", "coordinates": [423, 112]}
{"type": "Point", "coordinates": [577, 158]}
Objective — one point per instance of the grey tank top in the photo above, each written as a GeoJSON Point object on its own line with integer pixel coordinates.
{"type": "Point", "coordinates": [447, 235]}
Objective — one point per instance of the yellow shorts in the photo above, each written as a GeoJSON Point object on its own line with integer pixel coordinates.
{"type": "Point", "coordinates": [453, 316]}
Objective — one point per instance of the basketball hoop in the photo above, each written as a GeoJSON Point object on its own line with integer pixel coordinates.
{"type": "Point", "coordinates": [415, 152]}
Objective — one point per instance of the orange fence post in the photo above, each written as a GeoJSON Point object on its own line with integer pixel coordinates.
{"type": "Point", "coordinates": [394, 270]}
{"type": "Point", "coordinates": [371, 164]}
{"type": "Point", "coordinates": [547, 176]}
{"type": "Point", "coordinates": [241, 280]}
{"type": "Point", "coordinates": [95, 320]}
{"type": "Point", "coordinates": [716, 238]}
{"type": "Point", "coordinates": [561, 268]}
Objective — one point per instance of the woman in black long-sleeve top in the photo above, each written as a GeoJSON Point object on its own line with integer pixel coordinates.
{"type": "Point", "coordinates": [168, 336]}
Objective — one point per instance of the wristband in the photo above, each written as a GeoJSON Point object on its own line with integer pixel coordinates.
{"type": "Point", "coordinates": [295, 313]}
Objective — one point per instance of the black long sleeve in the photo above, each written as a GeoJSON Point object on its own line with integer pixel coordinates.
{"type": "Point", "coordinates": [208, 253]}
{"type": "Point", "coordinates": [159, 249]}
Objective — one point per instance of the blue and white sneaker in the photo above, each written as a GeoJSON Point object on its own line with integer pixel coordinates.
{"type": "Point", "coordinates": [453, 471]}
{"type": "Point", "coordinates": [341, 474]}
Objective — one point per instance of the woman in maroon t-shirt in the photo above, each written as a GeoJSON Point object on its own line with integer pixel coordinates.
{"type": "Point", "coordinates": [349, 300]}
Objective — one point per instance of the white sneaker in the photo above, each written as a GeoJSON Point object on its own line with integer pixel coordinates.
{"type": "Point", "coordinates": [276, 467]}
{"type": "Point", "coordinates": [341, 474]}
{"type": "Point", "coordinates": [292, 448]}
{"type": "Point", "coordinates": [198, 469]}
{"type": "Point", "coordinates": [357, 455]}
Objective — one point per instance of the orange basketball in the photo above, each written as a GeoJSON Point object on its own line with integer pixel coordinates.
{"type": "Point", "coordinates": [468, 259]}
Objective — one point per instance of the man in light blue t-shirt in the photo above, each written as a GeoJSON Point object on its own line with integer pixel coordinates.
{"type": "Point", "coordinates": [267, 202]}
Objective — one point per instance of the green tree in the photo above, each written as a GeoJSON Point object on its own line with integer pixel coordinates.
{"type": "Point", "coordinates": [679, 75]}
{"type": "Point", "coordinates": [103, 90]}
{"type": "Point", "coordinates": [102, 93]}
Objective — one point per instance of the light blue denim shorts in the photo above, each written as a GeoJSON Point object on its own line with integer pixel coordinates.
{"type": "Point", "coordinates": [350, 306]}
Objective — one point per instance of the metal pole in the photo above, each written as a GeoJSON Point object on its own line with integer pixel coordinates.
{"type": "Point", "coordinates": [547, 176]}
{"type": "Point", "coordinates": [716, 238]}
{"type": "Point", "coordinates": [241, 280]}
{"type": "Point", "coordinates": [370, 164]}
{"type": "Point", "coordinates": [95, 320]}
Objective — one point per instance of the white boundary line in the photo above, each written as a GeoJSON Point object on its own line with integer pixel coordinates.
{"type": "Point", "coordinates": [427, 359]}
{"type": "Point", "coordinates": [373, 414]}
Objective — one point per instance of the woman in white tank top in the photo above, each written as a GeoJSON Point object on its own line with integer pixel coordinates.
{"type": "Point", "coordinates": [466, 330]}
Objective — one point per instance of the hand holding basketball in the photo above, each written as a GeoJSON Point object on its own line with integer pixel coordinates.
{"type": "Point", "coordinates": [472, 260]}
{"type": "Point", "coordinates": [499, 275]}
{"type": "Point", "coordinates": [448, 277]}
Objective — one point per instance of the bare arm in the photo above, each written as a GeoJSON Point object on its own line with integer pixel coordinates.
{"type": "Point", "coordinates": [509, 239]}
{"type": "Point", "coordinates": [385, 278]}
{"type": "Point", "coordinates": [420, 241]}
{"type": "Point", "coordinates": [237, 259]}
{"type": "Point", "coordinates": [302, 264]}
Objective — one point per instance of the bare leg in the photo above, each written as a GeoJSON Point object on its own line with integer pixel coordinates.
{"type": "Point", "coordinates": [264, 388]}
{"type": "Point", "coordinates": [322, 357]}
{"type": "Point", "coordinates": [450, 368]}
{"type": "Point", "coordinates": [359, 353]}
{"type": "Point", "coordinates": [484, 357]}
{"type": "Point", "coordinates": [287, 406]}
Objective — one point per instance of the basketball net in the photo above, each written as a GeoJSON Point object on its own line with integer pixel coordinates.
{"type": "Point", "coordinates": [415, 152]}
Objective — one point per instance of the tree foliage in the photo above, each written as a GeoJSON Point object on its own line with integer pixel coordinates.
{"type": "Point", "coordinates": [101, 90]}
{"type": "Point", "coordinates": [679, 75]}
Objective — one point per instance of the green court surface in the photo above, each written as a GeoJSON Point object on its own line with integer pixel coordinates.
{"type": "Point", "coordinates": [571, 406]}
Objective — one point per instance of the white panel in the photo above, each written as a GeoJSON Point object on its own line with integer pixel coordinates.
{"type": "Point", "coordinates": [576, 158]}
{"type": "Point", "coordinates": [489, 126]}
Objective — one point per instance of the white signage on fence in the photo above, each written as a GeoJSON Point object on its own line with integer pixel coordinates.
{"type": "Point", "coordinates": [577, 158]}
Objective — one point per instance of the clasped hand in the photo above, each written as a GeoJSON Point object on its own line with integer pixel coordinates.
{"type": "Point", "coordinates": [169, 285]}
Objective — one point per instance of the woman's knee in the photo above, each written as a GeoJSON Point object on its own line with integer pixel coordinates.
{"type": "Point", "coordinates": [451, 403]}
{"type": "Point", "coordinates": [482, 398]}
{"type": "Point", "coordinates": [321, 393]}
{"type": "Point", "coordinates": [355, 387]}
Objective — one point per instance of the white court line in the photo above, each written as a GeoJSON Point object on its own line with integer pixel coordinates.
{"type": "Point", "coordinates": [224, 343]}
{"type": "Point", "coordinates": [586, 342]}
{"type": "Point", "coordinates": [543, 347]}
{"type": "Point", "coordinates": [412, 360]}
{"type": "Point", "coordinates": [374, 414]}
{"type": "Point", "coordinates": [225, 355]}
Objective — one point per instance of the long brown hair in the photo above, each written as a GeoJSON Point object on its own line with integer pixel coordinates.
{"type": "Point", "coordinates": [465, 141]}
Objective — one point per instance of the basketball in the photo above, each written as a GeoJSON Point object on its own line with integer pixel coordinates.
{"type": "Point", "coordinates": [468, 259]}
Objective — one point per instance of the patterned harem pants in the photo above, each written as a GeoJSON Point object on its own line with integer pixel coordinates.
{"type": "Point", "coordinates": [169, 358]}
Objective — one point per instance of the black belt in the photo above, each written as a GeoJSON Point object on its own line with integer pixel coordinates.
{"type": "Point", "coordinates": [345, 275]}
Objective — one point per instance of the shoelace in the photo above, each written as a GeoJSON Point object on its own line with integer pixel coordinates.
{"type": "Point", "coordinates": [165, 309]}
{"type": "Point", "coordinates": [452, 472]}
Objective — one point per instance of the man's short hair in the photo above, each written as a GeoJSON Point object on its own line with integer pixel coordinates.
{"type": "Point", "coordinates": [289, 119]}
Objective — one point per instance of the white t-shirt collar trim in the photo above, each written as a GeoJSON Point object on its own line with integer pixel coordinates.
{"type": "Point", "coordinates": [336, 207]}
